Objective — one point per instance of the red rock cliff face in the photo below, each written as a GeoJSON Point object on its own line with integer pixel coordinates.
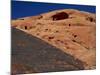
{"type": "Point", "coordinates": [71, 31]}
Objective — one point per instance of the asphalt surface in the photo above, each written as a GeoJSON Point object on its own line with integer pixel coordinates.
{"type": "Point", "coordinates": [33, 55]}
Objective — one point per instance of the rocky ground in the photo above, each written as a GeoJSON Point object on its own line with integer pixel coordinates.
{"type": "Point", "coordinates": [71, 31]}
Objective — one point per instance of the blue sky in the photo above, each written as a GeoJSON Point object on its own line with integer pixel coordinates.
{"type": "Point", "coordinates": [23, 9]}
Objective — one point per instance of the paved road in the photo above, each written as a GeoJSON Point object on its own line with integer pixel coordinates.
{"type": "Point", "coordinates": [33, 55]}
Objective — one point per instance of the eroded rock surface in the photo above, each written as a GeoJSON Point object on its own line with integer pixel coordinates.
{"type": "Point", "coordinates": [71, 31]}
